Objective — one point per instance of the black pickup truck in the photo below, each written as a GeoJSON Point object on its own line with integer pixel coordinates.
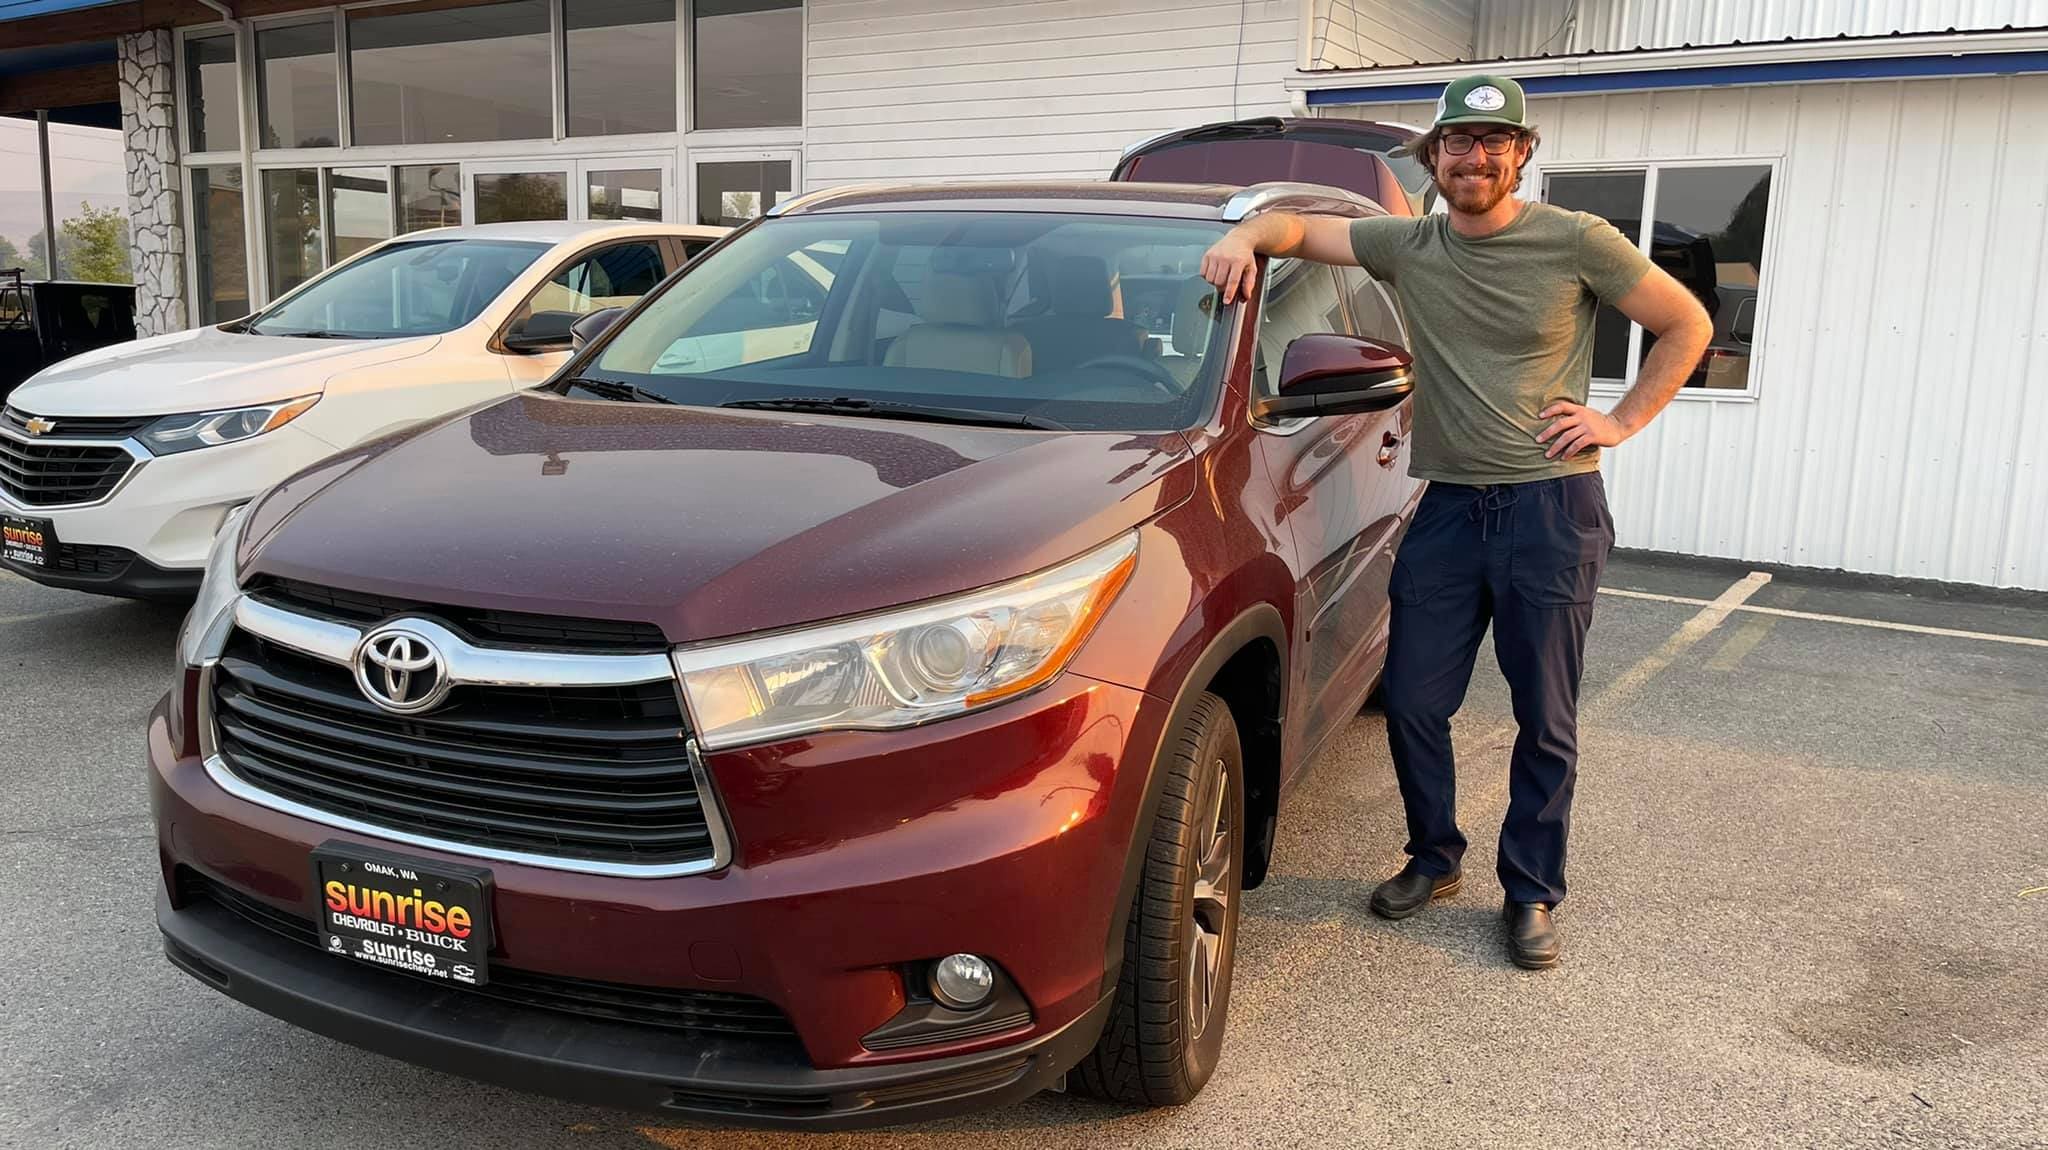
{"type": "Point", "coordinates": [43, 321]}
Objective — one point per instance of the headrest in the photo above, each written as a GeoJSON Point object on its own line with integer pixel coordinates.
{"type": "Point", "coordinates": [1194, 316]}
{"type": "Point", "coordinates": [1080, 286]}
{"type": "Point", "coordinates": [969, 301]}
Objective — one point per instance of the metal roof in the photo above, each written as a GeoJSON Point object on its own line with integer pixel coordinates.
{"type": "Point", "coordinates": [23, 9]}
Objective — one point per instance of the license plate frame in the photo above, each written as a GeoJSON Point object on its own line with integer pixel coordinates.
{"type": "Point", "coordinates": [28, 540]}
{"type": "Point", "coordinates": [417, 912]}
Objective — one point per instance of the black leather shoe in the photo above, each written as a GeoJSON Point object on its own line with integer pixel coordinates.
{"type": "Point", "coordinates": [1411, 890]}
{"type": "Point", "coordinates": [1532, 938]}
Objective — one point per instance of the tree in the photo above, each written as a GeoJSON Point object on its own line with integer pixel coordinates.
{"type": "Point", "coordinates": [10, 256]}
{"type": "Point", "coordinates": [93, 245]}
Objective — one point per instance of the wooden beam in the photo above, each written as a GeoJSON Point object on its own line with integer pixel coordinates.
{"type": "Point", "coordinates": [60, 88]}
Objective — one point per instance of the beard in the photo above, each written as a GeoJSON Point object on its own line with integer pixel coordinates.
{"type": "Point", "coordinates": [1479, 195]}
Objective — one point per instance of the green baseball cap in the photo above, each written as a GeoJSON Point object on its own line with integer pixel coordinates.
{"type": "Point", "coordinates": [1482, 100]}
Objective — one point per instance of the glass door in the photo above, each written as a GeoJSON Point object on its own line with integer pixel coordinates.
{"type": "Point", "coordinates": [608, 188]}
{"type": "Point", "coordinates": [504, 193]}
{"type": "Point", "coordinates": [729, 188]}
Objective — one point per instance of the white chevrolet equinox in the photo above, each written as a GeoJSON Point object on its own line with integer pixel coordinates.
{"type": "Point", "coordinates": [117, 466]}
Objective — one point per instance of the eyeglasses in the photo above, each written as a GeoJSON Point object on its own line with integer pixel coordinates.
{"type": "Point", "coordinates": [1495, 143]}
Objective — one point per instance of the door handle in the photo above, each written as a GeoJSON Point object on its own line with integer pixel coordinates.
{"type": "Point", "coordinates": [1390, 449]}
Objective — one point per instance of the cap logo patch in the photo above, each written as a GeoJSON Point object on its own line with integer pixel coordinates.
{"type": "Point", "coordinates": [1485, 98]}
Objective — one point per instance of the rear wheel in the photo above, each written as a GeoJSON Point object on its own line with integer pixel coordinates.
{"type": "Point", "coordinates": [1165, 1028]}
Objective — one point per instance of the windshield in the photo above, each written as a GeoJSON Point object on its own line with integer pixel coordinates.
{"type": "Point", "coordinates": [1040, 319]}
{"type": "Point", "coordinates": [421, 288]}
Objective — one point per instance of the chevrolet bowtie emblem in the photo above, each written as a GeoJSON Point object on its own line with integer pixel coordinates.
{"type": "Point", "coordinates": [37, 425]}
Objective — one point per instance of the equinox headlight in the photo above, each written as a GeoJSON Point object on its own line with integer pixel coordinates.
{"type": "Point", "coordinates": [906, 666]}
{"type": "Point", "coordinates": [175, 433]}
{"type": "Point", "coordinates": [218, 591]}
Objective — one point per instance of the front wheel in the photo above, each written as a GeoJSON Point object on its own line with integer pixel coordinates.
{"type": "Point", "coordinates": [1165, 1028]}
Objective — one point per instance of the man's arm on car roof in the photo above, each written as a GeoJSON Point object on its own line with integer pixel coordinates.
{"type": "Point", "coordinates": [1231, 265]}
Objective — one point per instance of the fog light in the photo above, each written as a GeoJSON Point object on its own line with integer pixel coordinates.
{"type": "Point", "coordinates": [962, 981]}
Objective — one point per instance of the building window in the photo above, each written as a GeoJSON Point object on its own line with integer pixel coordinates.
{"type": "Point", "coordinates": [211, 106]}
{"type": "Point", "coordinates": [747, 57]}
{"type": "Point", "coordinates": [429, 196]}
{"type": "Point", "coordinates": [502, 197]}
{"type": "Point", "coordinates": [625, 195]}
{"type": "Point", "coordinates": [358, 210]}
{"type": "Point", "coordinates": [730, 194]}
{"type": "Point", "coordinates": [434, 75]}
{"type": "Point", "coordinates": [1708, 229]}
{"type": "Point", "coordinates": [297, 101]}
{"type": "Point", "coordinates": [291, 227]}
{"type": "Point", "coordinates": [621, 66]}
{"type": "Point", "coordinates": [220, 253]}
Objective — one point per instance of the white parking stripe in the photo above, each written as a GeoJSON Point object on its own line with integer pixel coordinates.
{"type": "Point", "coordinates": [1695, 629]}
{"type": "Point", "coordinates": [1851, 620]}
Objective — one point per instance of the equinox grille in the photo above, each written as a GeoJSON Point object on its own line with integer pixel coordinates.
{"type": "Point", "coordinates": [47, 474]}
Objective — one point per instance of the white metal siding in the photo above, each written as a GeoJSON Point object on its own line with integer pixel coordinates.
{"type": "Point", "coordinates": [1517, 28]}
{"type": "Point", "coordinates": [961, 89]}
{"type": "Point", "coordinates": [1901, 421]}
{"type": "Point", "coordinates": [1361, 33]}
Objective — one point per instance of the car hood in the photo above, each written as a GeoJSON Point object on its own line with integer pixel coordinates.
{"type": "Point", "coordinates": [200, 370]}
{"type": "Point", "coordinates": [706, 522]}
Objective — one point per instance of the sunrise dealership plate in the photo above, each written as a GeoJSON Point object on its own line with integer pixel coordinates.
{"type": "Point", "coordinates": [425, 918]}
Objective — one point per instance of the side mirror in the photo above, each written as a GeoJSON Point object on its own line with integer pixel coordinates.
{"type": "Point", "coordinates": [541, 331]}
{"type": "Point", "coordinates": [587, 329]}
{"type": "Point", "coordinates": [1324, 373]}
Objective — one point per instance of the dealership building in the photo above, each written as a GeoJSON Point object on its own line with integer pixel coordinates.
{"type": "Point", "coordinates": [1855, 187]}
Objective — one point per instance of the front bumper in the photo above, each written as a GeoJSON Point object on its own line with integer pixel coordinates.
{"type": "Point", "coordinates": [166, 510]}
{"type": "Point", "coordinates": [1004, 833]}
{"type": "Point", "coordinates": [606, 1064]}
{"type": "Point", "coordinates": [111, 571]}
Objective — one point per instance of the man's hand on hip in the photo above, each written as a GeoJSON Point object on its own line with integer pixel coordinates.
{"type": "Point", "coordinates": [1576, 427]}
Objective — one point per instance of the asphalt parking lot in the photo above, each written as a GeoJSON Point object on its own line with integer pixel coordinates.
{"type": "Point", "coordinates": [1809, 908]}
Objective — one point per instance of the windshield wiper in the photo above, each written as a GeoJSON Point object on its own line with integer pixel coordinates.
{"type": "Point", "coordinates": [616, 389]}
{"type": "Point", "coordinates": [310, 333]}
{"type": "Point", "coordinates": [893, 409]}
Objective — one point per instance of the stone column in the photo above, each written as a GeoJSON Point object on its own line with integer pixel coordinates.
{"type": "Point", "coordinates": [156, 227]}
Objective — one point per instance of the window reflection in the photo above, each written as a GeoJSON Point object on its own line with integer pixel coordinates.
{"type": "Point", "coordinates": [1616, 197]}
{"type": "Point", "coordinates": [432, 75]}
{"type": "Point", "coordinates": [748, 59]}
{"type": "Point", "coordinates": [502, 197]}
{"type": "Point", "coordinates": [429, 196]}
{"type": "Point", "coordinates": [1710, 237]}
{"type": "Point", "coordinates": [621, 65]}
{"type": "Point", "coordinates": [296, 101]}
{"type": "Point", "coordinates": [210, 101]}
{"type": "Point", "coordinates": [219, 250]}
{"type": "Point", "coordinates": [358, 208]}
{"type": "Point", "coordinates": [291, 222]}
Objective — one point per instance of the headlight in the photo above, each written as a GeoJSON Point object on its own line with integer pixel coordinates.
{"type": "Point", "coordinates": [904, 667]}
{"type": "Point", "coordinates": [217, 593]}
{"type": "Point", "coordinates": [175, 433]}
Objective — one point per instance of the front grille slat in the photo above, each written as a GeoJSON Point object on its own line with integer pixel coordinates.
{"type": "Point", "coordinates": [709, 1013]}
{"type": "Point", "coordinates": [82, 426]}
{"type": "Point", "coordinates": [303, 684]}
{"type": "Point", "coordinates": [49, 474]}
{"type": "Point", "coordinates": [502, 628]}
{"type": "Point", "coordinates": [306, 752]}
{"type": "Point", "coordinates": [584, 773]}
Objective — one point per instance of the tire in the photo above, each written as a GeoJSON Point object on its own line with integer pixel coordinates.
{"type": "Point", "coordinates": [1165, 1028]}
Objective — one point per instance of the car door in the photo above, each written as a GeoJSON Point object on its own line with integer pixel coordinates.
{"type": "Point", "coordinates": [614, 275]}
{"type": "Point", "coordinates": [1342, 486]}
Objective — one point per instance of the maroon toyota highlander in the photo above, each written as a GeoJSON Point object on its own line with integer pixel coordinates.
{"type": "Point", "coordinates": [859, 688]}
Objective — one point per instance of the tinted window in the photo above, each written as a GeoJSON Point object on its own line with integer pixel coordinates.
{"type": "Point", "coordinates": [359, 208]}
{"type": "Point", "coordinates": [613, 277]}
{"type": "Point", "coordinates": [291, 220]}
{"type": "Point", "coordinates": [1301, 298]}
{"type": "Point", "coordinates": [1374, 312]}
{"type": "Point", "coordinates": [508, 196]}
{"type": "Point", "coordinates": [420, 288]}
{"type": "Point", "coordinates": [730, 194]}
{"type": "Point", "coordinates": [1709, 235]}
{"type": "Point", "coordinates": [210, 102]}
{"type": "Point", "coordinates": [446, 75]}
{"type": "Point", "coordinates": [1616, 197]}
{"type": "Point", "coordinates": [429, 196]}
{"type": "Point", "coordinates": [219, 250]}
{"type": "Point", "coordinates": [630, 194]}
{"type": "Point", "coordinates": [296, 101]}
{"type": "Point", "coordinates": [748, 57]}
{"type": "Point", "coordinates": [622, 66]}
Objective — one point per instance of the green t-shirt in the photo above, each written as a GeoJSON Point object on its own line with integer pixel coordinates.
{"type": "Point", "coordinates": [1501, 327]}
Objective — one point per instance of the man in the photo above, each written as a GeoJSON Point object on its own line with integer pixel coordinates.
{"type": "Point", "coordinates": [1500, 296]}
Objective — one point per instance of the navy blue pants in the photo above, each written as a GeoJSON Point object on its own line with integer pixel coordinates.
{"type": "Point", "coordinates": [1526, 557]}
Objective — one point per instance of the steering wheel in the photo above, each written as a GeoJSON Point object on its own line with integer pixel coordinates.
{"type": "Point", "coordinates": [1154, 372]}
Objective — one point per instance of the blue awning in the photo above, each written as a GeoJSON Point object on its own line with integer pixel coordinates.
{"type": "Point", "coordinates": [23, 9]}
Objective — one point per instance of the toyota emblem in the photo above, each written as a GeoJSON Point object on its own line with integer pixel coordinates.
{"type": "Point", "coordinates": [401, 670]}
